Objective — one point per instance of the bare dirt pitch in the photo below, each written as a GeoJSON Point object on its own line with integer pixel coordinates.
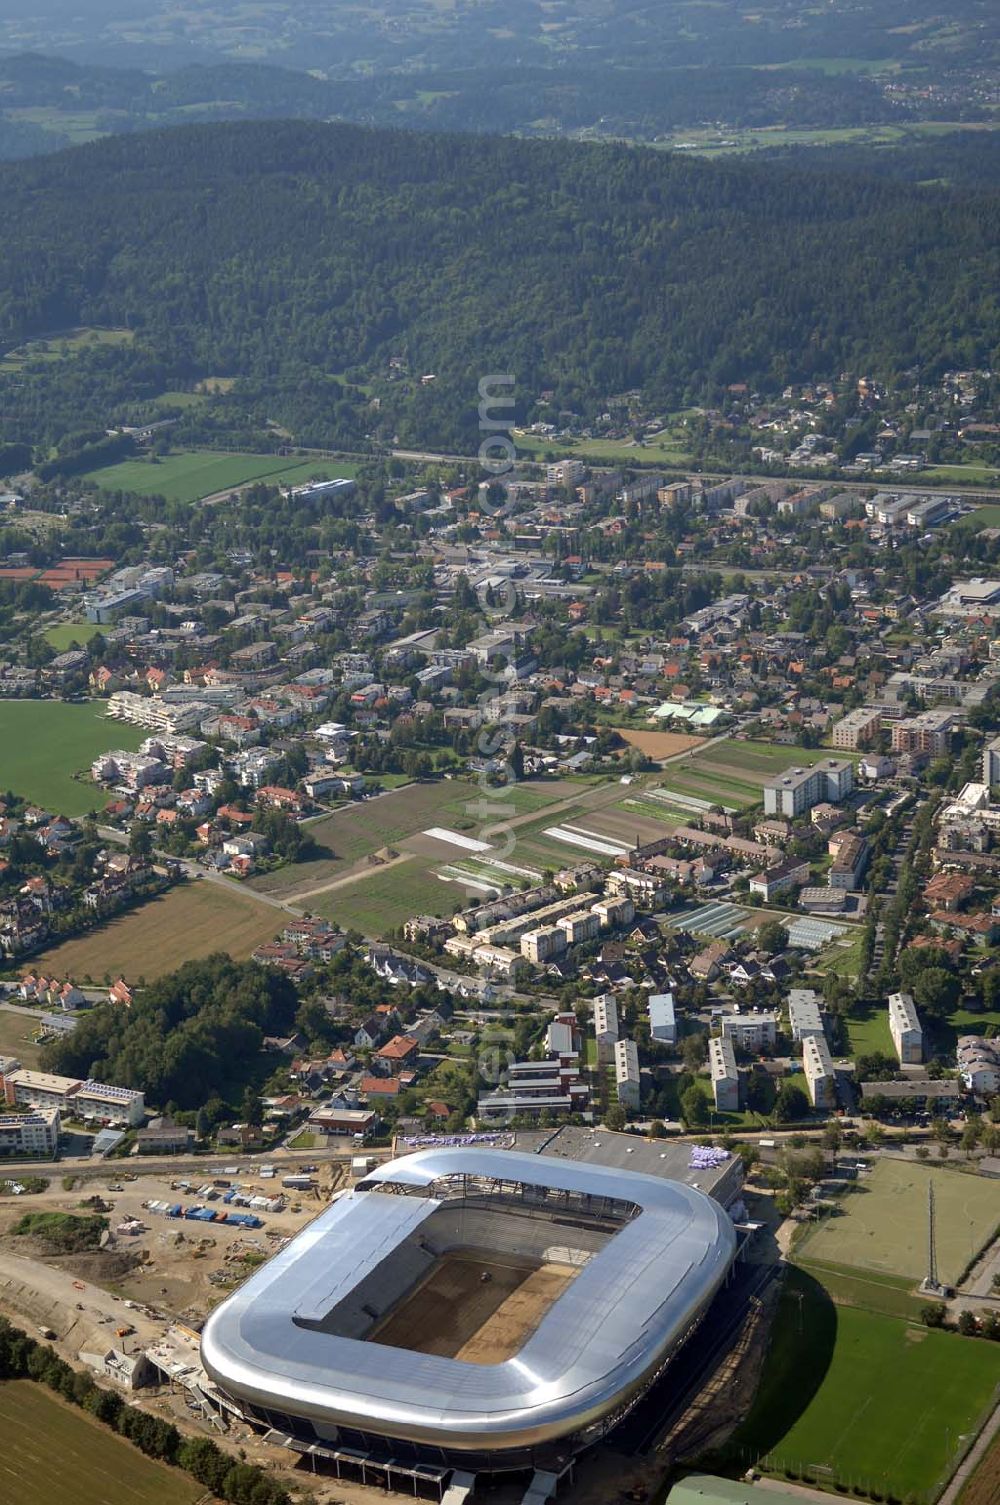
{"type": "Point", "coordinates": [456, 1314]}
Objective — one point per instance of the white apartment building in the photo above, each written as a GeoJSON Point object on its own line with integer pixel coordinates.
{"type": "Point", "coordinates": [73, 1098]}
{"type": "Point", "coordinates": [605, 1027]}
{"type": "Point", "coordinates": [725, 1076]}
{"type": "Point", "coordinates": [821, 1080]}
{"type": "Point", "coordinates": [905, 1029]}
{"type": "Point", "coordinates": [751, 1032]}
{"type": "Point", "coordinates": [797, 789]}
{"type": "Point", "coordinates": [154, 713]}
{"type": "Point", "coordinates": [991, 762]}
{"type": "Point", "coordinates": [627, 1077]}
{"type": "Point", "coordinates": [662, 1018]}
{"type": "Point", "coordinates": [804, 1014]}
{"type": "Point", "coordinates": [34, 1133]}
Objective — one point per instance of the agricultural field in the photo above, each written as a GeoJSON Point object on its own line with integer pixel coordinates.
{"type": "Point", "coordinates": [65, 1458]}
{"type": "Point", "coordinates": [187, 922]}
{"type": "Point", "coordinates": [46, 742]}
{"type": "Point", "coordinates": [659, 745]}
{"type": "Point", "coordinates": [882, 1222]}
{"type": "Point", "coordinates": [850, 1396]}
{"type": "Point", "coordinates": [190, 475]}
{"type": "Point", "coordinates": [361, 829]}
{"type": "Point", "coordinates": [428, 848]}
{"type": "Point", "coordinates": [983, 1488]}
{"type": "Point", "coordinates": [384, 898]}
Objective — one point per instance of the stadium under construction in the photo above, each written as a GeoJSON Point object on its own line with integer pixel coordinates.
{"type": "Point", "coordinates": [469, 1311]}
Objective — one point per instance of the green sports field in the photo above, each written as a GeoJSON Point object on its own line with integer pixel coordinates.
{"type": "Point", "coordinates": [192, 474]}
{"type": "Point", "coordinates": [851, 1397]}
{"type": "Point", "coordinates": [882, 1225]}
{"type": "Point", "coordinates": [53, 1454]}
{"type": "Point", "coordinates": [64, 634]}
{"type": "Point", "coordinates": [45, 742]}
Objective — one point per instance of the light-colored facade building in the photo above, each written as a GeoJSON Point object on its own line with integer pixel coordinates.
{"type": "Point", "coordinates": [821, 1080]}
{"type": "Point", "coordinates": [857, 728]}
{"type": "Point", "coordinates": [662, 1018]}
{"type": "Point", "coordinates": [725, 1075]}
{"type": "Point", "coordinates": [804, 1014]}
{"type": "Point", "coordinates": [74, 1098]}
{"type": "Point", "coordinates": [33, 1133]}
{"type": "Point", "coordinates": [751, 1031]}
{"type": "Point", "coordinates": [991, 762]}
{"type": "Point", "coordinates": [905, 1029]}
{"type": "Point", "coordinates": [541, 945]}
{"type": "Point", "coordinates": [627, 1078]}
{"type": "Point", "coordinates": [605, 1027]}
{"type": "Point", "coordinates": [796, 790]}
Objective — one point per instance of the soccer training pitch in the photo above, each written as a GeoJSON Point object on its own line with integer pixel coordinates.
{"type": "Point", "coordinates": [855, 1398]}
{"type": "Point", "coordinates": [881, 1224]}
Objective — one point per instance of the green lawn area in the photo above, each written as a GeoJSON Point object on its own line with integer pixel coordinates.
{"type": "Point", "coordinates": [869, 1032]}
{"type": "Point", "coordinates": [962, 475]}
{"type": "Point", "coordinates": [16, 1032]}
{"type": "Point", "coordinates": [882, 1221]}
{"type": "Point", "coordinates": [60, 347]}
{"type": "Point", "coordinates": [760, 759]}
{"type": "Point", "coordinates": [55, 1454]}
{"type": "Point", "coordinates": [661, 449]}
{"type": "Point", "coordinates": [46, 742]}
{"type": "Point", "coordinates": [889, 1295]}
{"type": "Point", "coordinates": [854, 1397]}
{"type": "Point", "coordinates": [385, 898]}
{"type": "Point", "coordinates": [987, 516]}
{"type": "Point", "coordinates": [64, 634]}
{"type": "Point", "coordinates": [192, 474]}
{"type": "Point", "coordinates": [843, 959]}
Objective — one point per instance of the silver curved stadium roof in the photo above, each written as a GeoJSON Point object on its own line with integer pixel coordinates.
{"type": "Point", "coordinates": [596, 1346]}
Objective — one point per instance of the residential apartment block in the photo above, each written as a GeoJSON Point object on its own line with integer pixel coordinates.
{"type": "Point", "coordinates": [857, 728]}
{"type": "Point", "coordinates": [751, 1032]}
{"type": "Point", "coordinates": [797, 789]}
{"type": "Point", "coordinates": [725, 1076]}
{"type": "Point", "coordinates": [34, 1133]}
{"type": "Point", "coordinates": [930, 732]}
{"type": "Point", "coordinates": [804, 1014]}
{"type": "Point", "coordinates": [821, 1080]}
{"type": "Point", "coordinates": [75, 1099]}
{"type": "Point", "coordinates": [905, 1029]}
{"type": "Point", "coordinates": [605, 1027]}
{"type": "Point", "coordinates": [627, 1074]}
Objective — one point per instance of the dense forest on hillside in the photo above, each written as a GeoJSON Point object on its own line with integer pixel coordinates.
{"type": "Point", "coordinates": [634, 102]}
{"type": "Point", "coordinates": [281, 253]}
